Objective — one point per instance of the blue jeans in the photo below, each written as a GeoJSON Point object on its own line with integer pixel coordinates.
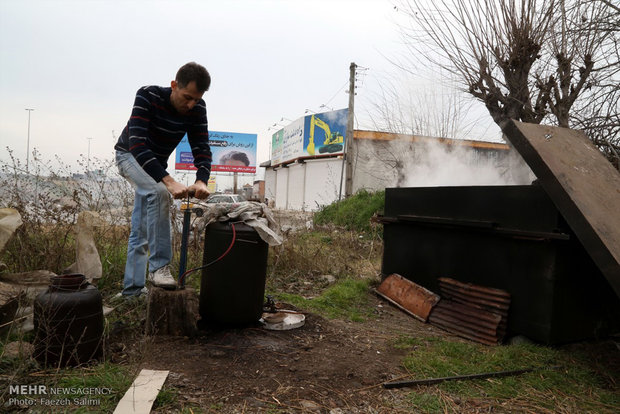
{"type": "Point", "coordinates": [150, 224]}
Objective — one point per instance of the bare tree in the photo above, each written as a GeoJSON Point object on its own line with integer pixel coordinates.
{"type": "Point", "coordinates": [529, 60]}
{"type": "Point", "coordinates": [402, 106]}
{"type": "Point", "coordinates": [597, 111]}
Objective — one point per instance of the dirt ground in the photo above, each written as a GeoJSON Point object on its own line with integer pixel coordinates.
{"type": "Point", "coordinates": [325, 366]}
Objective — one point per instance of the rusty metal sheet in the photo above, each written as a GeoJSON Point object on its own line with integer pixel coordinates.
{"type": "Point", "coordinates": [482, 297]}
{"type": "Point", "coordinates": [584, 186]}
{"type": "Point", "coordinates": [474, 324]}
{"type": "Point", "coordinates": [472, 311]}
{"type": "Point", "coordinates": [407, 295]}
{"type": "Point", "coordinates": [491, 293]}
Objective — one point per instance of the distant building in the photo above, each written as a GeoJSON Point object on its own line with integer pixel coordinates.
{"type": "Point", "coordinates": [258, 190]}
{"type": "Point", "coordinates": [247, 191]}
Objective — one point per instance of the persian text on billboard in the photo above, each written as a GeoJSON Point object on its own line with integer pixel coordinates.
{"type": "Point", "coordinates": [292, 140]}
{"type": "Point", "coordinates": [276, 147]}
{"type": "Point", "coordinates": [231, 151]}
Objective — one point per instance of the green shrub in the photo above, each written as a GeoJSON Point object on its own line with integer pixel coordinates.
{"type": "Point", "coordinates": [347, 299]}
{"type": "Point", "coordinates": [353, 213]}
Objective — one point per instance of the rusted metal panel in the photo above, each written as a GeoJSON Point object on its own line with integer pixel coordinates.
{"type": "Point", "coordinates": [471, 311]}
{"type": "Point", "coordinates": [584, 186]}
{"type": "Point", "coordinates": [472, 322]}
{"type": "Point", "coordinates": [494, 300]}
{"type": "Point", "coordinates": [407, 295]}
{"type": "Point", "coordinates": [447, 315]}
{"type": "Point", "coordinates": [456, 326]}
{"type": "Point", "coordinates": [459, 296]}
{"type": "Point", "coordinates": [496, 294]}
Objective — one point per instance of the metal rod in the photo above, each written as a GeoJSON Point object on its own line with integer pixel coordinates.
{"type": "Point", "coordinates": [187, 215]}
{"type": "Point", "coordinates": [88, 156]}
{"type": "Point", "coordinates": [28, 141]}
{"type": "Point", "coordinates": [430, 381]}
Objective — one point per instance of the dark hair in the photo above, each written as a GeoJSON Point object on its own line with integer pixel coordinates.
{"type": "Point", "coordinates": [193, 72]}
{"type": "Point", "coordinates": [236, 155]}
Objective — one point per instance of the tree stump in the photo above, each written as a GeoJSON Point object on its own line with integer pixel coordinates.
{"type": "Point", "coordinates": [172, 312]}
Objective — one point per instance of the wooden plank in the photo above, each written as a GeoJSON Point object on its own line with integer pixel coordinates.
{"type": "Point", "coordinates": [141, 395]}
{"type": "Point", "coordinates": [584, 186]}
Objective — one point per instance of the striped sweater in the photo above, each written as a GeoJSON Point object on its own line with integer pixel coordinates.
{"type": "Point", "coordinates": [155, 128]}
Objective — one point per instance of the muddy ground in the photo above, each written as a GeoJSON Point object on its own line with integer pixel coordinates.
{"type": "Point", "coordinates": [326, 366]}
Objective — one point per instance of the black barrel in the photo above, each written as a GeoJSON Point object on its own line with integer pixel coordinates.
{"type": "Point", "coordinates": [232, 289]}
{"type": "Point", "coordinates": [68, 322]}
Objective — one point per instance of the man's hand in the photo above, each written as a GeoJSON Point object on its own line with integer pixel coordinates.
{"type": "Point", "coordinates": [175, 188]}
{"type": "Point", "coordinates": [199, 188]}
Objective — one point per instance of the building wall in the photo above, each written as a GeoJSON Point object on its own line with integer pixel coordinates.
{"type": "Point", "coordinates": [281, 198]}
{"type": "Point", "coordinates": [296, 186]}
{"type": "Point", "coordinates": [322, 182]}
{"type": "Point", "coordinates": [258, 190]}
{"type": "Point", "coordinates": [382, 160]}
{"type": "Point", "coordinates": [270, 184]}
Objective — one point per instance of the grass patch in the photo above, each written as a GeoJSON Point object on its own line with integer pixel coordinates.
{"type": "Point", "coordinates": [348, 299]}
{"type": "Point", "coordinates": [297, 265]}
{"type": "Point", "coordinates": [167, 398]}
{"type": "Point", "coordinates": [426, 403]}
{"type": "Point", "coordinates": [561, 389]}
{"type": "Point", "coordinates": [114, 379]}
{"type": "Point", "coordinates": [354, 213]}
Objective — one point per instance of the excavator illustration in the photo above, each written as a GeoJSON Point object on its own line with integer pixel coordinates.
{"type": "Point", "coordinates": [333, 140]}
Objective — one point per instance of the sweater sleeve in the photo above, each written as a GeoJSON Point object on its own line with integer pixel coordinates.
{"type": "Point", "coordinates": [198, 138]}
{"type": "Point", "coordinates": [138, 127]}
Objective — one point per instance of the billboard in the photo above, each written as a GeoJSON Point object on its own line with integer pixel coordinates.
{"type": "Point", "coordinates": [292, 140]}
{"type": "Point", "coordinates": [232, 152]}
{"type": "Point", "coordinates": [276, 147]}
{"type": "Point", "coordinates": [310, 136]}
{"type": "Point", "coordinates": [211, 185]}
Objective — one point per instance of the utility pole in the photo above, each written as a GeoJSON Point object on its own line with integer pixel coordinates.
{"type": "Point", "coordinates": [28, 141]}
{"type": "Point", "coordinates": [348, 187]}
{"type": "Point", "coordinates": [88, 156]}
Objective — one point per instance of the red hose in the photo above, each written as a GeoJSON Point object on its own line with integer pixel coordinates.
{"type": "Point", "coordinates": [232, 242]}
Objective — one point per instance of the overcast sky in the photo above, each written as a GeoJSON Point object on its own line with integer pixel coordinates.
{"type": "Point", "coordinates": [79, 64]}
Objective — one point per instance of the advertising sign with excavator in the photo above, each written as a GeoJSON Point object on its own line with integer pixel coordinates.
{"type": "Point", "coordinates": [310, 136]}
{"type": "Point", "coordinates": [324, 133]}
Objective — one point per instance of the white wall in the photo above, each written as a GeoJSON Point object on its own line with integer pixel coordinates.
{"type": "Point", "coordinates": [391, 160]}
{"type": "Point", "coordinates": [322, 182]}
{"type": "Point", "coordinates": [304, 186]}
{"type": "Point", "coordinates": [376, 163]}
{"type": "Point", "coordinates": [296, 186]}
{"type": "Point", "coordinates": [281, 188]}
{"type": "Point", "coordinates": [270, 184]}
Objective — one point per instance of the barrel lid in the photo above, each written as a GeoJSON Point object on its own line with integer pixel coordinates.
{"type": "Point", "coordinates": [73, 281]}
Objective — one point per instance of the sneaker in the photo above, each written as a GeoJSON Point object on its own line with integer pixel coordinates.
{"type": "Point", "coordinates": [162, 278]}
{"type": "Point", "coordinates": [143, 293]}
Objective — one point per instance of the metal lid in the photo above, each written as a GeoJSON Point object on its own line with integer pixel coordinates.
{"type": "Point", "coordinates": [74, 281]}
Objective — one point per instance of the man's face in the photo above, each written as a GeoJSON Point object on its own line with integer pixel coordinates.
{"type": "Point", "coordinates": [184, 99]}
{"type": "Point", "coordinates": [235, 163]}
